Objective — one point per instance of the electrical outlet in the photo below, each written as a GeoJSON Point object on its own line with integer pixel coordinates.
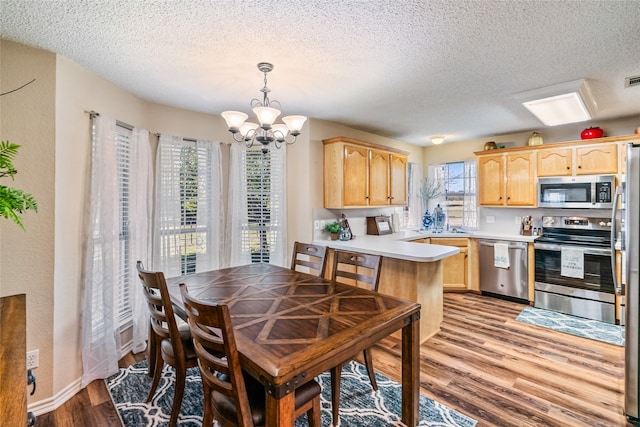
{"type": "Point", "coordinates": [316, 225]}
{"type": "Point", "coordinates": [33, 359]}
{"type": "Point", "coordinates": [491, 219]}
{"type": "Point", "coordinates": [518, 220]}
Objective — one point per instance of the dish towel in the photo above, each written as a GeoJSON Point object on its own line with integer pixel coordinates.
{"type": "Point", "coordinates": [501, 255]}
{"type": "Point", "coordinates": [572, 262]}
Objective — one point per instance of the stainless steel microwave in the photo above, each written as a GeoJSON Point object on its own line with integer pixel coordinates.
{"type": "Point", "coordinates": [589, 191]}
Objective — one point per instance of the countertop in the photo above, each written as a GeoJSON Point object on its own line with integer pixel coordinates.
{"type": "Point", "coordinates": [408, 235]}
{"type": "Point", "coordinates": [400, 246]}
{"type": "Point", "coordinates": [391, 246]}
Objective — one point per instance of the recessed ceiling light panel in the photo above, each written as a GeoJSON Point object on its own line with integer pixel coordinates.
{"type": "Point", "coordinates": [569, 102]}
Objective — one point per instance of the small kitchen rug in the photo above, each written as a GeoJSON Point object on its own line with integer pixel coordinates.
{"type": "Point", "coordinates": [359, 405]}
{"type": "Point", "coordinates": [586, 328]}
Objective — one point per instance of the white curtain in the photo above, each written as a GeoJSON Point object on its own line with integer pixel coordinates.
{"type": "Point", "coordinates": [140, 230]}
{"type": "Point", "coordinates": [241, 221]}
{"type": "Point", "coordinates": [237, 215]}
{"type": "Point", "coordinates": [416, 205]}
{"type": "Point", "coordinates": [103, 263]}
{"type": "Point", "coordinates": [174, 235]}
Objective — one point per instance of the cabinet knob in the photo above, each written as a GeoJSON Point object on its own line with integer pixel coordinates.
{"type": "Point", "coordinates": [569, 167]}
{"type": "Point", "coordinates": [579, 167]}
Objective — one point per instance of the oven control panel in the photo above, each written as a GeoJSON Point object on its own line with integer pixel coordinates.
{"type": "Point", "coordinates": [576, 222]}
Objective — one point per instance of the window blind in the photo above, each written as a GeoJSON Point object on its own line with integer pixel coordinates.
{"type": "Point", "coordinates": [123, 164]}
{"type": "Point", "coordinates": [188, 204]}
{"type": "Point", "coordinates": [262, 234]}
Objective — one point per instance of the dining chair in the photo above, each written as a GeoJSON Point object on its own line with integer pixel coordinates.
{"type": "Point", "coordinates": [354, 269]}
{"type": "Point", "coordinates": [313, 257]}
{"type": "Point", "coordinates": [173, 344]}
{"type": "Point", "coordinates": [232, 396]}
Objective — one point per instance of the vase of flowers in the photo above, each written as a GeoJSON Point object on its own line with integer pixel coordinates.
{"type": "Point", "coordinates": [429, 190]}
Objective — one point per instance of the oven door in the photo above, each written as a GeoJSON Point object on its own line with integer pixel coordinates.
{"type": "Point", "coordinates": [598, 276]}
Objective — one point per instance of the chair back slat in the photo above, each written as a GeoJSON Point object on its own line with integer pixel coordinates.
{"type": "Point", "coordinates": [163, 320]}
{"type": "Point", "coordinates": [312, 257]}
{"type": "Point", "coordinates": [215, 345]}
{"type": "Point", "coordinates": [356, 267]}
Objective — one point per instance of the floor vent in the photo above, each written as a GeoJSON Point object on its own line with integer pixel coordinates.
{"type": "Point", "coordinates": [632, 81]}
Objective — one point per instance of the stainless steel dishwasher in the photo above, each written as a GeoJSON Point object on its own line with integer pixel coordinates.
{"type": "Point", "coordinates": [512, 282]}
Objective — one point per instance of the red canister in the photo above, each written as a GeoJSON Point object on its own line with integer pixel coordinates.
{"type": "Point", "coordinates": [592, 132]}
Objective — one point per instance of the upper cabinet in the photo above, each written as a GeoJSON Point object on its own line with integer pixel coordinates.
{"type": "Point", "coordinates": [596, 159]}
{"type": "Point", "coordinates": [506, 179]}
{"type": "Point", "coordinates": [584, 160]}
{"type": "Point", "coordinates": [359, 174]}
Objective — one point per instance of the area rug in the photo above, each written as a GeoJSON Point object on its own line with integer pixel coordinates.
{"type": "Point", "coordinates": [359, 405]}
{"type": "Point", "coordinates": [586, 328]}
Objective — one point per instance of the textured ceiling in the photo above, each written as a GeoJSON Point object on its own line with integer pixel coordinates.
{"type": "Point", "coordinates": [404, 69]}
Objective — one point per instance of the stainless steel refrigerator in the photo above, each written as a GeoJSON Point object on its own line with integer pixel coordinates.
{"type": "Point", "coordinates": [631, 249]}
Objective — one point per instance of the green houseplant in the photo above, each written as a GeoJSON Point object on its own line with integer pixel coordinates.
{"type": "Point", "coordinates": [13, 202]}
{"type": "Point", "coordinates": [333, 228]}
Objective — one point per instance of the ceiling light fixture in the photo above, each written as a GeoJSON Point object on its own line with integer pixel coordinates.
{"type": "Point", "coordinates": [437, 139]}
{"type": "Point", "coordinates": [266, 111]}
{"type": "Point", "coordinates": [569, 102]}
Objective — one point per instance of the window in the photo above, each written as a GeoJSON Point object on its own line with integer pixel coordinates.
{"type": "Point", "coordinates": [458, 199]}
{"type": "Point", "coordinates": [263, 231]}
{"type": "Point", "coordinates": [188, 203]}
{"type": "Point", "coordinates": [123, 163]}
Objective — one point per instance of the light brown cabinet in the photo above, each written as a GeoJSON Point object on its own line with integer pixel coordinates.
{"type": "Point", "coordinates": [506, 179]}
{"type": "Point", "coordinates": [555, 162]}
{"type": "Point", "coordinates": [459, 271]}
{"type": "Point", "coordinates": [596, 159]}
{"type": "Point", "coordinates": [358, 174]}
{"type": "Point", "coordinates": [580, 160]}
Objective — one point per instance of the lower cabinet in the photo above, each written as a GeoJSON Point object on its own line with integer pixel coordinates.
{"type": "Point", "coordinates": [460, 271]}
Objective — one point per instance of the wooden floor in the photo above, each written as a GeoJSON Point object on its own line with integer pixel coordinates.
{"type": "Point", "coordinates": [483, 363]}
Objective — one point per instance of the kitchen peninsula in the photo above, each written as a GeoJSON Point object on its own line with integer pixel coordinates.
{"type": "Point", "coordinates": [412, 271]}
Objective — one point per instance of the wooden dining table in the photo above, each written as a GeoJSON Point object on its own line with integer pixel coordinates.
{"type": "Point", "coordinates": [291, 327]}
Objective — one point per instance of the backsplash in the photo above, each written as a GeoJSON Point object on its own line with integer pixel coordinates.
{"type": "Point", "coordinates": [508, 220]}
{"type": "Point", "coordinates": [357, 219]}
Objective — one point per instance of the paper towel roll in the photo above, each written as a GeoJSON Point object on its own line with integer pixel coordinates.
{"type": "Point", "coordinates": [395, 222]}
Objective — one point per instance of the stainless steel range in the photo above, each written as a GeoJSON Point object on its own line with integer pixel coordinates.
{"type": "Point", "coordinates": [573, 271]}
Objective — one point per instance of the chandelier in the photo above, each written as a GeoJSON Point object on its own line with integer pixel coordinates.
{"type": "Point", "coordinates": [267, 111]}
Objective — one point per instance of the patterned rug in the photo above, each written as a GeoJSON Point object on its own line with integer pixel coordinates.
{"type": "Point", "coordinates": [359, 405]}
{"type": "Point", "coordinates": [586, 328]}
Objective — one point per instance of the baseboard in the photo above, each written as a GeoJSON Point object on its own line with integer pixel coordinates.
{"type": "Point", "coordinates": [54, 402]}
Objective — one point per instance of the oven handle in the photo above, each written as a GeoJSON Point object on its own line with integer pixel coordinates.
{"type": "Point", "coordinates": [587, 250]}
{"type": "Point", "coordinates": [614, 212]}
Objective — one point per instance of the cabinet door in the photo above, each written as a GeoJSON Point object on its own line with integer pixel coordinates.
{"type": "Point", "coordinates": [521, 189]}
{"type": "Point", "coordinates": [356, 184]}
{"type": "Point", "coordinates": [491, 180]}
{"type": "Point", "coordinates": [378, 178]}
{"type": "Point", "coordinates": [597, 159]}
{"type": "Point", "coordinates": [454, 271]}
{"type": "Point", "coordinates": [398, 179]}
{"type": "Point", "coordinates": [555, 162]}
